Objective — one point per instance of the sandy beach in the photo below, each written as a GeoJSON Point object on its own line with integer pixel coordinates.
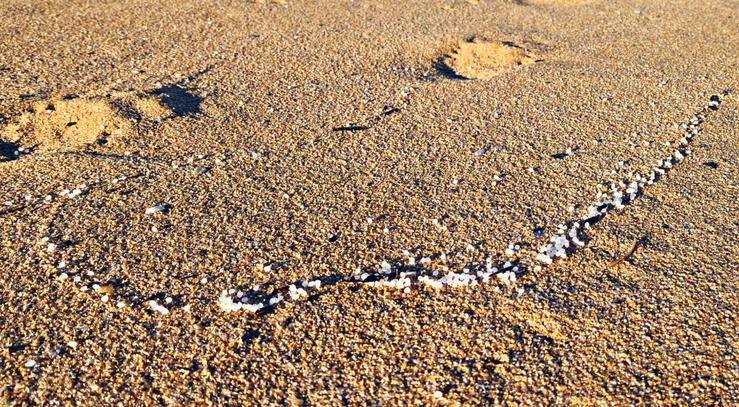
{"type": "Point", "coordinates": [445, 202]}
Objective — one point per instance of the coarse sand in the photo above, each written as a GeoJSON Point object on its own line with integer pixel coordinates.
{"type": "Point", "coordinates": [439, 202]}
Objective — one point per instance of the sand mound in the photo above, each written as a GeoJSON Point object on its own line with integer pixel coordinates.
{"type": "Point", "coordinates": [71, 123]}
{"type": "Point", "coordinates": [480, 59]}
{"type": "Point", "coordinates": [141, 107]}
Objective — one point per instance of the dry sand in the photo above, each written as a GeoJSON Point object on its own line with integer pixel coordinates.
{"type": "Point", "coordinates": [155, 155]}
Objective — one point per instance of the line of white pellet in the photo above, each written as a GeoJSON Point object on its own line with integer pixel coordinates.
{"type": "Point", "coordinates": [569, 237]}
{"type": "Point", "coordinates": [404, 277]}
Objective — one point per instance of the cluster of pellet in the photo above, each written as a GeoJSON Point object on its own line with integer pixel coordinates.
{"type": "Point", "coordinates": [619, 195]}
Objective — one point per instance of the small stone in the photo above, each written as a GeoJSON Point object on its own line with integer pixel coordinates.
{"type": "Point", "coordinates": [156, 209]}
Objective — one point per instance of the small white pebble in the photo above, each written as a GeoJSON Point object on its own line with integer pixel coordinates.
{"type": "Point", "coordinates": [30, 363]}
{"type": "Point", "coordinates": [155, 209]}
{"type": "Point", "coordinates": [158, 308]}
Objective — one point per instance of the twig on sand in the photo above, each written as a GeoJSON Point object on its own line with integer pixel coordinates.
{"type": "Point", "coordinates": [11, 209]}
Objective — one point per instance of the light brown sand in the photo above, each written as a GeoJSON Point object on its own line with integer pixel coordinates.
{"type": "Point", "coordinates": [73, 123]}
{"type": "Point", "coordinates": [273, 133]}
{"type": "Point", "coordinates": [483, 59]}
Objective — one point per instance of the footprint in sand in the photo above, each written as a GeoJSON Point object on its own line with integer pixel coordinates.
{"type": "Point", "coordinates": [69, 124]}
{"type": "Point", "coordinates": [482, 59]}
